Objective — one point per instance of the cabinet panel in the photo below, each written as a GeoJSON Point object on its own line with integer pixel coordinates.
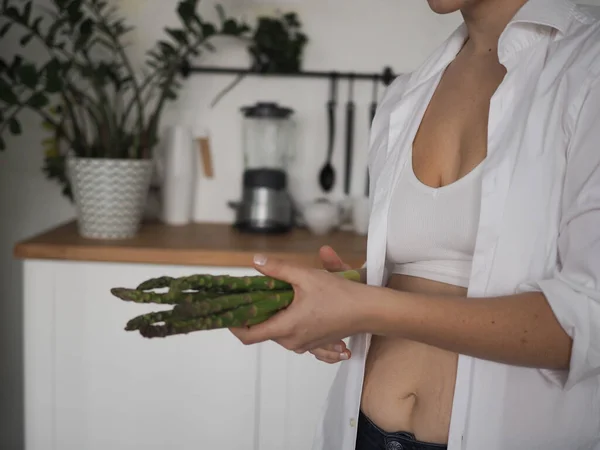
{"type": "Point", "coordinates": [308, 382]}
{"type": "Point", "coordinates": [91, 385]}
{"type": "Point", "coordinates": [117, 390]}
{"type": "Point", "coordinates": [293, 392]}
{"type": "Point", "coordinates": [38, 355]}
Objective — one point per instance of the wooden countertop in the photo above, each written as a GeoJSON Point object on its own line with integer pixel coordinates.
{"type": "Point", "coordinates": [196, 244]}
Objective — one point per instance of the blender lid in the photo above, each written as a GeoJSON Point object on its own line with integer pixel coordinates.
{"type": "Point", "coordinates": [267, 110]}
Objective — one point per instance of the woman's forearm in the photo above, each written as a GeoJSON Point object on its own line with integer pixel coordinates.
{"type": "Point", "coordinates": [518, 330]}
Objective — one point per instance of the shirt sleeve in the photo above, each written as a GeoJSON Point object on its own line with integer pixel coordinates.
{"type": "Point", "coordinates": [573, 291]}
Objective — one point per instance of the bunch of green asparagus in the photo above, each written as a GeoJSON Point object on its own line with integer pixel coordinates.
{"type": "Point", "coordinates": [208, 302]}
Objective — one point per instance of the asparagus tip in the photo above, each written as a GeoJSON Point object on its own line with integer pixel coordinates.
{"type": "Point", "coordinates": [352, 275]}
{"type": "Point", "coordinates": [122, 293]}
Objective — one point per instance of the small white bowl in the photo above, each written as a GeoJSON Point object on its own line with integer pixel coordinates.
{"type": "Point", "coordinates": [321, 217]}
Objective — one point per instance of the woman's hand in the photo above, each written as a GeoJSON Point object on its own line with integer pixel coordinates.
{"type": "Point", "coordinates": [332, 353]}
{"type": "Point", "coordinates": [326, 309]}
{"type": "Point", "coordinates": [336, 351]}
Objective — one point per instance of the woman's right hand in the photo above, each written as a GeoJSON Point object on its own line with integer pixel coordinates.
{"type": "Point", "coordinates": [336, 351]}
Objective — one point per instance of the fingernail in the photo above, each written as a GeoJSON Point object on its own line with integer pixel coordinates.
{"type": "Point", "coordinates": [260, 260]}
{"type": "Point", "coordinates": [343, 356]}
{"type": "Point", "coordinates": [338, 348]}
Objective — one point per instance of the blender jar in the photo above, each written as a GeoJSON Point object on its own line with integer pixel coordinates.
{"type": "Point", "coordinates": [267, 136]}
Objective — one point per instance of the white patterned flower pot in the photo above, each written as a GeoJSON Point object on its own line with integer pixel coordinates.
{"type": "Point", "coordinates": [110, 195]}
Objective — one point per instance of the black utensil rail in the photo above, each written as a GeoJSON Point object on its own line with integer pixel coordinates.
{"type": "Point", "coordinates": [386, 76]}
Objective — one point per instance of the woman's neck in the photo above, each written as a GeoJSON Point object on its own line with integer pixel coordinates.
{"type": "Point", "coordinates": [486, 20]}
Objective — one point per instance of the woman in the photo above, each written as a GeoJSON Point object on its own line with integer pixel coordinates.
{"type": "Point", "coordinates": [478, 326]}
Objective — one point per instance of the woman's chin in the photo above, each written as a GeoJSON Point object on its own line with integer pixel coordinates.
{"type": "Point", "coordinates": [446, 6]}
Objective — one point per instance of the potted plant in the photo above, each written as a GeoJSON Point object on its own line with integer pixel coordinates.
{"type": "Point", "coordinates": [103, 114]}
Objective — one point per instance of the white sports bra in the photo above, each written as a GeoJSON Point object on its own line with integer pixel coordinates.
{"type": "Point", "coordinates": [432, 231]}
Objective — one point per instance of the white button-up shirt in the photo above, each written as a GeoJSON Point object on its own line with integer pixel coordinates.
{"type": "Point", "coordinates": [539, 229]}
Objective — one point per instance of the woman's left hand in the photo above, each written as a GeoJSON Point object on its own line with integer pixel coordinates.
{"type": "Point", "coordinates": [326, 308]}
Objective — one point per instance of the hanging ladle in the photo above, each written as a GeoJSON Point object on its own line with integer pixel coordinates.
{"type": "Point", "coordinates": [327, 175]}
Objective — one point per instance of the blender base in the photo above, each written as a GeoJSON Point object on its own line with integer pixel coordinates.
{"type": "Point", "coordinates": [268, 228]}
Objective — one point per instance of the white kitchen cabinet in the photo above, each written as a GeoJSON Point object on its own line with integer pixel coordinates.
{"type": "Point", "coordinates": [90, 385]}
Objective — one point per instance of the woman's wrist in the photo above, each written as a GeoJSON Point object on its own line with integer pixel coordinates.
{"type": "Point", "coordinates": [382, 311]}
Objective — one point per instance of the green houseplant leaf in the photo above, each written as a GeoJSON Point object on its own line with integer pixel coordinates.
{"type": "Point", "coordinates": [5, 29]}
{"type": "Point", "coordinates": [26, 39]}
{"type": "Point", "coordinates": [14, 126]}
{"type": "Point", "coordinates": [7, 94]}
{"type": "Point", "coordinates": [28, 75]}
{"type": "Point", "coordinates": [38, 101]}
{"type": "Point", "coordinates": [53, 80]}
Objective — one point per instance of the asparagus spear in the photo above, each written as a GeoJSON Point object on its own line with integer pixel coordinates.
{"type": "Point", "coordinates": [168, 298]}
{"type": "Point", "coordinates": [216, 305]}
{"type": "Point", "coordinates": [264, 306]}
{"type": "Point", "coordinates": [147, 319]}
{"type": "Point", "coordinates": [155, 283]}
{"type": "Point", "coordinates": [225, 283]}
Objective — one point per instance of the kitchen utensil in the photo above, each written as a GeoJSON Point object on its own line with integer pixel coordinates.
{"type": "Point", "coordinates": [372, 111]}
{"type": "Point", "coordinates": [349, 135]}
{"type": "Point", "coordinates": [374, 101]}
{"type": "Point", "coordinates": [327, 175]}
{"type": "Point", "coordinates": [266, 206]}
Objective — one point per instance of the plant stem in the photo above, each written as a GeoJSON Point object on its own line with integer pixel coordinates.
{"type": "Point", "coordinates": [80, 111]}
{"type": "Point", "coordinates": [110, 120]}
{"type": "Point", "coordinates": [155, 117]}
{"type": "Point", "coordinates": [146, 83]}
{"type": "Point", "coordinates": [126, 62]}
{"type": "Point", "coordinates": [42, 114]}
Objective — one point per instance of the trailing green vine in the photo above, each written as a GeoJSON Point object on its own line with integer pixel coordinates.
{"type": "Point", "coordinates": [276, 46]}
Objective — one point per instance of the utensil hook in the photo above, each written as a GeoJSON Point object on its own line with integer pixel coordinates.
{"type": "Point", "coordinates": [351, 86]}
{"type": "Point", "coordinates": [333, 79]}
{"type": "Point", "coordinates": [375, 90]}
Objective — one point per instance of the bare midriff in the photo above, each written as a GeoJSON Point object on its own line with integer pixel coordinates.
{"type": "Point", "coordinates": [409, 386]}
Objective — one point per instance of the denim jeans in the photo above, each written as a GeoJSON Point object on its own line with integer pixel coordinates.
{"type": "Point", "coordinates": [371, 437]}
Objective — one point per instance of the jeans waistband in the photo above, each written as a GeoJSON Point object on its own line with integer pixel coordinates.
{"type": "Point", "coordinates": [371, 437]}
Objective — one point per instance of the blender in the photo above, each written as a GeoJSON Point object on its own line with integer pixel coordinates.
{"type": "Point", "coordinates": [266, 206]}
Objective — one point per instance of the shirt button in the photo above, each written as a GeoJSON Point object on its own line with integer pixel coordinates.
{"type": "Point", "coordinates": [352, 422]}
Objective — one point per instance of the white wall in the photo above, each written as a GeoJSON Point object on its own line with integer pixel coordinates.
{"type": "Point", "coordinates": [345, 35]}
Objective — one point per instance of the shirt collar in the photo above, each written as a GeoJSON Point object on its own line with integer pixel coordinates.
{"type": "Point", "coordinates": [534, 20]}
{"type": "Point", "coordinates": [554, 14]}
{"type": "Point", "coordinates": [537, 16]}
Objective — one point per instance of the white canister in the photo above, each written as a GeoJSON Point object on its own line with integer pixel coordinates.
{"type": "Point", "coordinates": [177, 169]}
